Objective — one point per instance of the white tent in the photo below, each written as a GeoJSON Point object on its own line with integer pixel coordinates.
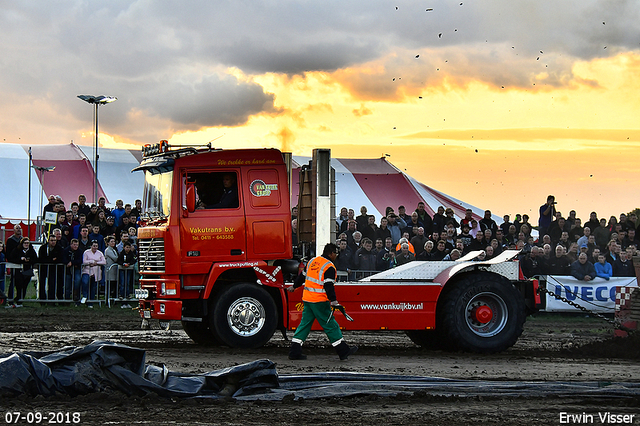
{"type": "Point", "coordinates": [73, 175]}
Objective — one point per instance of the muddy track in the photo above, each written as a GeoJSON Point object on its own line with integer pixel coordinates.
{"type": "Point", "coordinates": [552, 348]}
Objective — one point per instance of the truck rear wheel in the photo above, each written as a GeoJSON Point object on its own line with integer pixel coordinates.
{"type": "Point", "coordinates": [200, 333]}
{"type": "Point", "coordinates": [245, 316]}
{"type": "Point", "coordinates": [483, 313]}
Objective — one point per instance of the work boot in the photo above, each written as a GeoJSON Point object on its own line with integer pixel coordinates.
{"type": "Point", "coordinates": [296, 351]}
{"type": "Point", "coordinates": [344, 350]}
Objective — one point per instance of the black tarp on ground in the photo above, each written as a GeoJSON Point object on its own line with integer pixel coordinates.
{"type": "Point", "coordinates": [105, 365]}
{"type": "Point", "coordinates": [339, 384]}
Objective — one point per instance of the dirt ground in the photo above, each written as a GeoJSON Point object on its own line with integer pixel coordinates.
{"type": "Point", "coordinates": [552, 348]}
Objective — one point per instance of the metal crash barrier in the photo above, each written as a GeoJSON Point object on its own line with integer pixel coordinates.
{"type": "Point", "coordinates": [354, 275]}
{"type": "Point", "coordinates": [122, 289]}
{"type": "Point", "coordinates": [58, 283]}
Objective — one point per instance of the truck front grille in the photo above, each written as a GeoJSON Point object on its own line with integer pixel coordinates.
{"type": "Point", "coordinates": [151, 255]}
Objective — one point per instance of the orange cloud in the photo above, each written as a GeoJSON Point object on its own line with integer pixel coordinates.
{"type": "Point", "coordinates": [362, 111]}
{"type": "Point", "coordinates": [286, 138]}
{"type": "Point", "coordinates": [404, 74]}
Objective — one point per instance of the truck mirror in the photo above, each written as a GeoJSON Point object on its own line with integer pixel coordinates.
{"type": "Point", "coordinates": [191, 197]}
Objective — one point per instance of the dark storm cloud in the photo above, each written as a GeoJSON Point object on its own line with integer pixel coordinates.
{"type": "Point", "coordinates": [213, 101]}
{"type": "Point", "coordinates": [313, 57]}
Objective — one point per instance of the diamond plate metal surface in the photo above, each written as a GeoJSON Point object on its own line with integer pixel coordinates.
{"type": "Point", "coordinates": [426, 270]}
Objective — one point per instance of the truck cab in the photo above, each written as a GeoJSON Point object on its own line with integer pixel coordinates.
{"type": "Point", "coordinates": [213, 219]}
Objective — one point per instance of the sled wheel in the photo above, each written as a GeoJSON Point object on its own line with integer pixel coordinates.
{"type": "Point", "coordinates": [483, 313]}
{"type": "Point", "coordinates": [245, 316]}
{"type": "Point", "coordinates": [200, 333]}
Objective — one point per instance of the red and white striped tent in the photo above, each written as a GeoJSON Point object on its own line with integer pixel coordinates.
{"type": "Point", "coordinates": [73, 175]}
{"type": "Point", "coordinates": [377, 184]}
{"type": "Point", "coordinates": [374, 183]}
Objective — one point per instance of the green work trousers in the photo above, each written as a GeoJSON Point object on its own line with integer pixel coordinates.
{"type": "Point", "coordinates": [321, 312]}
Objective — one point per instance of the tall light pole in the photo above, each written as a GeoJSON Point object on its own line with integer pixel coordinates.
{"type": "Point", "coordinates": [29, 207]}
{"type": "Point", "coordinates": [96, 100]}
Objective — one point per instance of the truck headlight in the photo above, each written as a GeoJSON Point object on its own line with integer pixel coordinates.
{"type": "Point", "coordinates": [169, 289]}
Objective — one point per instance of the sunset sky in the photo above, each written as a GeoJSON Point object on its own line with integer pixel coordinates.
{"type": "Point", "coordinates": [498, 103]}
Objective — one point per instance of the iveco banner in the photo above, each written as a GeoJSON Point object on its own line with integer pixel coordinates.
{"type": "Point", "coordinates": [598, 295]}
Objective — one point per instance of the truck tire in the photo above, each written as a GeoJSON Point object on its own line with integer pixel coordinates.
{"type": "Point", "coordinates": [245, 316]}
{"type": "Point", "coordinates": [200, 333]}
{"type": "Point", "coordinates": [482, 313]}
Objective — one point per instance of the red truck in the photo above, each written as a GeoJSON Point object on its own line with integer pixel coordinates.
{"type": "Point", "coordinates": [222, 267]}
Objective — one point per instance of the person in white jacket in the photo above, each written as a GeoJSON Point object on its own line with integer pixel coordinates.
{"type": "Point", "coordinates": [92, 262]}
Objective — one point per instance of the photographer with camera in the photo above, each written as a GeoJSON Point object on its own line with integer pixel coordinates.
{"type": "Point", "coordinates": [547, 213]}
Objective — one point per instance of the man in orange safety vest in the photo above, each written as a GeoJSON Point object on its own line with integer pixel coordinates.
{"type": "Point", "coordinates": [319, 298]}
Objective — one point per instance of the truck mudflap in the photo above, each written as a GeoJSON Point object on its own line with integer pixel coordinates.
{"type": "Point", "coordinates": [163, 310]}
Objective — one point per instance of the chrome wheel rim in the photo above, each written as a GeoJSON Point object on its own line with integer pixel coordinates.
{"type": "Point", "coordinates": [246, 316]}
{"type": "Point", "coordinates": [483, 302]}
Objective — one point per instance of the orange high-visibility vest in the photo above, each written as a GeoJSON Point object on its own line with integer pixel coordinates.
{"type": "Point", "coordinates": [314, 282]}
{"type": "Point", "coordinates": [411, 248]}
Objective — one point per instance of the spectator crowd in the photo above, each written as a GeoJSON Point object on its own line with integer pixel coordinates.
{"type": "Point", "coordinates": [78, 256]}
{"type": "Point", "coordinates": [90, 248]}
{"type": "Point", "coordinates": [564, 245]}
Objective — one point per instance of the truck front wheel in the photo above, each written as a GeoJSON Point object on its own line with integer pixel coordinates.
{"type": "Point", "coordinates": [244, 316]}
{"type": "Point", "coordinates": [483, 313]}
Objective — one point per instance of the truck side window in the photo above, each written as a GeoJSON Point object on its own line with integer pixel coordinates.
{"type": "Point", "coordinates": [216, 190]}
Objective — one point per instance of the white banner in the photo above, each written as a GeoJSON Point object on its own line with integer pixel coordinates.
{"type": "Point", "coordinates": [51, 218]}
{"type": "Point", "coordinates": [598, 295]}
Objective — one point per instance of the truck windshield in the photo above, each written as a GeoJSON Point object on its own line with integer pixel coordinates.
{"type": "Point", "coordinates": [157, 193]}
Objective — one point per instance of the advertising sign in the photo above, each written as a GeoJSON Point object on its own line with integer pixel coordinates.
{"type": "Point", "coordinates": [598, 295]}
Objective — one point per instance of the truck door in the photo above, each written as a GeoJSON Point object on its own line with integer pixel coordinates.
{"type": "Point", "coordinates": [215, 230]}
{"type": "Point", "coordinates": [267, 210]}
